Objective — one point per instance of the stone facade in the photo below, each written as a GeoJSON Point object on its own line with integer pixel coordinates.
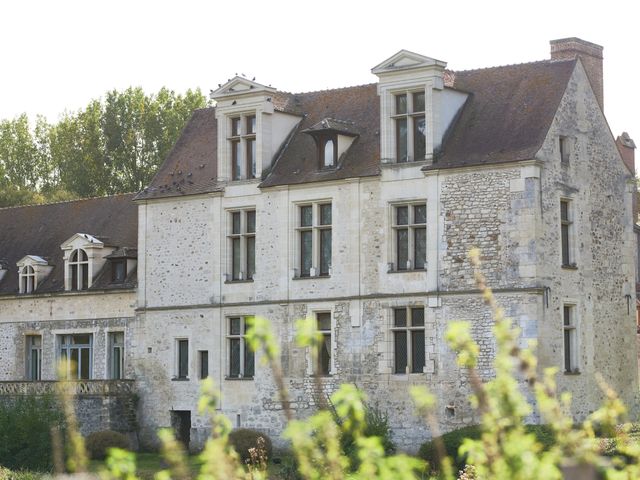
{"type": "Point", "coordinates": [508, 207]}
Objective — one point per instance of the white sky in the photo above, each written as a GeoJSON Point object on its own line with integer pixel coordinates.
{"type": "Point", "coordinates": [58, 55]}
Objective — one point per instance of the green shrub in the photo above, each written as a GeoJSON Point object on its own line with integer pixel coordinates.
{"type": "Point", "coordinates": [452, 441]}
{"type": "Point", "coordinates": [243, 439]}
{"type": "Point", "coordinates": [25, 433]}
{"type": "Point", "coordinates": [99, 443]}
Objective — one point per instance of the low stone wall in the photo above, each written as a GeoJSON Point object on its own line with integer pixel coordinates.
{"type": "Point", "coordinates": [99, 404]}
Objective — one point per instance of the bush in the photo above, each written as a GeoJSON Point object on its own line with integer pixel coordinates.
{"type": "Point", "coordinates": [243, 439]}
{"type": "Point", "coordinates": [25, 433]}
{"type": "Point", "coordinates": [98, 443]}
{"type": "Point", "coordinates": [452, 441]}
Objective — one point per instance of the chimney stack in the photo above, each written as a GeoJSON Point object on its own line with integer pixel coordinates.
{"type": "Point", "coordinates": [626, 147]}
{"type": "Point", "coordinates": [591, 56]}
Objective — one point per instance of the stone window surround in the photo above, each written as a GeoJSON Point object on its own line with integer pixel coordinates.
{"type": "Point", "coordinates": [28, 279]}
{"type": "Point", "coordinates": [574, 337]}
{"type": "Point", "coordinates": [243, 236]}
{"type": "Point", "coordinates": [59, 334]}
{"type": "Point", "coordinates": [565, 149]}
{"type": "Point", "coordinates": [242, 138]}
{"type": "Point", "coordinates": [392, 266]}
{"type": "Point", "coordinates": [31, 270]}
{"type": "Point", "coordinates": [176, 358]}
{"type": "Point", "coordinates": [30, 348]}
{"type": "Point", "coordinates": [296, 254]}
{"type": "Point", "coordinates": [109, 334]}
{"type": "Point", "coordinates": [387, 346]}
{"type": "Point", "coordinates": [408, 328]}
{"type": "Point", "coordinates": [571, 232]}
{"type": "Point", "coordinates": [311, 369]}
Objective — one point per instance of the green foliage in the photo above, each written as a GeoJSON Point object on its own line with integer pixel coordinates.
{"type": "Point", "coordinates": [25, 433]}
{"type": "Point", "coordinates": [99, 443]}
{"type": "Point", "coordinates": [111, 146]}
{"type": "Point", "coordinates": [452, 442]}
{"type": "Point", "coordinates": [6, 474]}
{"type": "Point", "coordinates": [243, 440]}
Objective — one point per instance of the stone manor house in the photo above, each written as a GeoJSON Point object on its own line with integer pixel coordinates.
{"type": "Point", "coordinates": [356, 206]}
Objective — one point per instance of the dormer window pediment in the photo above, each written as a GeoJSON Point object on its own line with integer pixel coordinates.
{"type": "Point", "coordinates": [84, 256]}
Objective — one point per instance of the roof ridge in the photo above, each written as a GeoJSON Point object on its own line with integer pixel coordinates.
{"type": "Point", "coordinates": [329, 89]}
{"type": "Point", "coordinates": [535, 62]}
{"type": "Point", "coordinates": [68, 201]}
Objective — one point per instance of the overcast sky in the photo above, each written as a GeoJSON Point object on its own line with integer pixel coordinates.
{"type": "Point", "coordinates": [58, 55]}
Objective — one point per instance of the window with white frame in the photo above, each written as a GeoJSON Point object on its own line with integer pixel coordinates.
{"type": "Point", "coordinates": [409, 236]}
{"type": "Point", "coordinates": [27, 279]}
{"type": "Point", "coordinates": [570, 333]}
{"type": "Point", "coordinates": [241, 357]}
{"type": "Point", "coordinates": [410, 126]}
{"type": "Point", "coordinates": [314, 239]}
{"type": "Point", "coordinates": [182, 359]}
{"type": "Point", "coordinates": [408, 340]}
{"type": "Point", "coordinates": [243, 147]}
{"type": "Point", "coordinates": [79, 270]}
{"type": "Point", "coordinates": [566, 233]}
{"type": "Point", "coordinates": [116, 355]}
{"type": "Point", "coordinates": [34, 357]}
{"type": "Point", "coordinates": [76, 355]}
{"type": "Point", "coordinates": [242, 244]}
{"type": "Point", "coordinates": [324, 363]}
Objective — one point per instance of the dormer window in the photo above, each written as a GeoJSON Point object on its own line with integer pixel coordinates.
{"type": "Point", "coordinates": [243, 147]}
{"type": "Point", "coordinates": [27, 279]}
{"type": "Point", "coordinates": [79, 269]}
{"type": "Point", "coordinates": [328, 152]}
{"type": "Point", "coordinates": [410, 128]}
{"type": "Point", "coordinates": [118, 270]}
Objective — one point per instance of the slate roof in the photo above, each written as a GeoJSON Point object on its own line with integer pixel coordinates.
{"type": "Point", "coordinates": [505, 118]}
{"type": "Point", "coordinates": [41, 229]}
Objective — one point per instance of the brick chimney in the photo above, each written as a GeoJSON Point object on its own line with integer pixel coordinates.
{"type": "Point", "coordinates": [591, 56]}
{"type": "Point", "coordinates": [626, 147]}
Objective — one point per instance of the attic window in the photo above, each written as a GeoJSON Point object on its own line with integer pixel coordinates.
{"type": "Point", "coordinates": [410, 126]}
{"type": "Point", "coordinates": [118, 270]}
{"type": "Point", "coordinates": [328, 152]}
{"type": "Point", "coordinates": [565, 149]}
{"type": "Point", "coordinates": [27, 279]}
{"type": "Point", "coordinates": [79, 268]}
{"type": "Point", "coordinates": [243, 147]}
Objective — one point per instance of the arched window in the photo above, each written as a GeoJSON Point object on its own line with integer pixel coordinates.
{"type": "Point", "coordinates": [329, 154]}
{"type": "Point", "coordinates": [79, 270]}
{"type": "Point", "coordinates": [27, 279]}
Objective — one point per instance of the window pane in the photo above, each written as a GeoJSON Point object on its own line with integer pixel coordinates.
{"type": "Point", "coordinates": [400, 351]}
{"type": "Point", "coordinates": [305, 253]}
{"type": "Point", "coordinates": [402, 215]}
{"type": "Point", "coordinates": [401, 104]}
{"type": "Point", "coordinates": [251, 221]}
{"type": "Point", "coordinates": [236, 154]}
{"type": "Point", "coordinates": [74, 277]}
{"type": "Point", "coordinates": [402, 239]}
{"type": "Point", "coordinates": [204, 364]}
{"type": "Point", "coordinates": [400, 317]}
{"type": "Point", "coordinates": [564, 232]}
{"type": "Point", "coordinates": [75, 359]}
{"type": "Point", "coordinates": [306, 216]}
{"type": "Point", "coordinates": [81, 339]}
{"type": "Point", "coordinates": [235, 126]}
{"type": "Point", "coordinates": [234, 326]}
{"type": "Point", "coordinates": [83, 256]}
{"type": "Point", "coordinates": [234, 357]}
{"type": "Point", "coordinates": [249, 361]}
{"type": "Point", "coordinates": [417, 351]}
{"type": "Point", "coordinates": [564, 211]}
{"type": "Point", "coordinates": [420, 214]}
{"type": "Point", "coordinates": [417, 317]}
{"type": "Point", "coordinates": [418, 102]}
{"type": "Point", "coordinates": [324, 356]}
{"type": "Point", "coordinates": [251, 124]}
{"type": "Point", "coordinates": [420, 247]}
{"type": "Point", "coordinates": [116, 354]}
{"type": "Point", "coordinates": [419, 138]}
{"type": "Point", "coordinates": [85, 276]}
{"type": "Point", "coordinates": [34, 370]}
{"type": "Point", "coordinates": [325, 251]}
{"type": "Point", "coordinates": [324, 321]}
{"type": "Point", "coordinates": [401, 139]}
{"type": "Point", "coordinates": [183, 358]}
{"type": "Point", "coordinates": [118, 271]}
{"type": "Point", "coordinates": [325, 214]}
{"type": "Point", "coordinates": [251, 257]}
{"type": "Point", "coordinates": [235, 258]}
{"type": "Point", "coordinates": [329, 160]}
{"type": "Point", "coordinates": [567, 315]}
{"type": "Point", "coordinates": [567, 351]}
{"type": "Point", "coordinates": [251, 158]}
{"type": "Point", "coordinates": [235, 223]}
